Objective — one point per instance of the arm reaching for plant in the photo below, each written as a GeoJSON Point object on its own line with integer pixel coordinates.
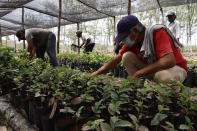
{"type": "Point", "coordinates": [81, 44]}
{"type": "Point", "coordinates": [87, 42]}
{"type": "Point", "coordinates": [110, 65]}
{"type": "Point", "coordinates": [31, 47]}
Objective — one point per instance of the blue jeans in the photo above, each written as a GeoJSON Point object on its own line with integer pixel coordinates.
{"type": "Point", "coordinates": [50, 48]}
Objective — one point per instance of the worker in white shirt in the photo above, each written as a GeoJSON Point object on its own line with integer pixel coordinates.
{"type": "Point", "coordinates": [174, 25]}
{"type": "Point", "coordinates": [88, 42]}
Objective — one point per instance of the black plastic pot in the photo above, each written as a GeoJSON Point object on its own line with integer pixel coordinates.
{"type": "Point", "coordinates": [47, 124]}
{"type": "Point", "coordinates": [195, 80]}
{"type": "Point", "coordinates": [121, 72]}
{"type": "Point", "coordinates": [64, 121]}
{"type": "Point", "coordinates": [75, 127]}
{"type": "Point", "coordinates": [25, 104]}
{"type": "Point", "coordinates": [31, 111]}
{"type": "Point", "coordinates": [15, 98]}
{"type": "Point", "coordinates": [190, 80]}
{"type": "Point", "coordinates": [116, 72]}
{"type": "Point", "coordinates": [38, 112]}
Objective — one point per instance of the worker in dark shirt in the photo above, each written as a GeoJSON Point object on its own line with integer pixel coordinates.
{"type": "Point", "coordinates": [40, 41]}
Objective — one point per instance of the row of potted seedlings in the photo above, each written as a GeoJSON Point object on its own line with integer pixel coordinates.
{"type": "Point", "coordinates": [93, 61]}
{"type": "Point", "coordinates": [90, 63]}
{"type": "Point", "coordinates": [59, 99]}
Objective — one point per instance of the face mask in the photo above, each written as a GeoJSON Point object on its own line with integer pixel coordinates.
{"type": "Point", "coordinates": [171, 20]}
{"type": "Point", "coordinates": [128, 42]}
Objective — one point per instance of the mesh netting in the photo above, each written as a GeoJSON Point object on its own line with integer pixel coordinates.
{"type": "Point", "coordinates": [44, 13]}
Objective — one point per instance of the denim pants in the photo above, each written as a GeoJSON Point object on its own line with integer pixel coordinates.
{"type": "Point", "coordinates": [50, 48]}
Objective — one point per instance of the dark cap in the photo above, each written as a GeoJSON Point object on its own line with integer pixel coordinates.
{"type": "Point", "coordinates": [170, 14]}
{"type": "Point", "coordinates": [124, 26]}
{"type": "Point", "coordinates": [78, 32]}
{"type": "Point", "coordinates": [19, 32]}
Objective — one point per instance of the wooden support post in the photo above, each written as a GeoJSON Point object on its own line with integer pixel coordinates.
{"type": "Point", "coordinates": [14, 44]}
{"type": "Point", "coordinates": [114, 37]}
{"type": "Point", "coordinates": [23, 25]}
{"type": "Point", "coordinates": [0, 36]}
{"type": "Point", "coordinates": [59, 25]}
{"type": "Point", "coordinates": [129, 7]}
{"type": "Point", "coordinates": [78, 39]}
{"type": "Point", "coordinates": [161, 9]}
{"type": "Point", "coordinates": [6, 40]}
{"type": "Point", "coordinates": [114, 26]}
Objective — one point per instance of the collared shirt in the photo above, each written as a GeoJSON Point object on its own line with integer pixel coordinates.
{"type": "Point", "coordinates": [175, 29]}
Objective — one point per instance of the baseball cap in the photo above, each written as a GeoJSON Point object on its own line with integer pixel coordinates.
{"type": "Point", "coordinates": [124, 26]}
{"type": "Point", "coordinates": [170, 13]}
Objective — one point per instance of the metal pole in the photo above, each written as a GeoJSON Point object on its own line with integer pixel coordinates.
{"type": "Point", "coordinates": [23, 25]}
{"type": "Point", "coordinates": [59, 24]}
{"type": "Point", "coordinates": [78, 39]}
{"type": "Point", "coordinates": [129, 7]}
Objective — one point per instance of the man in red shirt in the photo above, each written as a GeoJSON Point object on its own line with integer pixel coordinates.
{"type": "Point", "coordinates": [151, 52]}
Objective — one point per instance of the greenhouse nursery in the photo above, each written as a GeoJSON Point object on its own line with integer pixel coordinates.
{"type": "Point", "coordinates": [68, 85]}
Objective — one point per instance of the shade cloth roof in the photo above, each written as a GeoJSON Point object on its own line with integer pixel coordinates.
{"type": "Point", "coordinates": [44, 13]}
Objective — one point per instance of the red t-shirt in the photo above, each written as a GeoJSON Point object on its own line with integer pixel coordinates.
{"type": "Point", "coordinates": [163, 45]}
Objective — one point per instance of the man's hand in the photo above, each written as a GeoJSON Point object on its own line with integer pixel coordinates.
{"type": "Point", "coordinates": [33, 52]}
{"type": "Point", "coordinates": [93, 74]}
{"type": "Point", "coordinates": [138, 73]}
{"type": "Point", "coordinates": [110, 65]}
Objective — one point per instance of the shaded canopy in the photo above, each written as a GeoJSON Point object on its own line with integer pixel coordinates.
{"type": "Point", "coordinates": [44, 13]}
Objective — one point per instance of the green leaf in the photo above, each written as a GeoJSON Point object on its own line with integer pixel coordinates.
{"type": "Point", "coordinates": [123, 123]}
{"type": "Point", "coordinates": [113, 120]}
{"type": "Point", "coordinates": [160, 108]}
{"type": "Point", "coordinates": [105, 127]}
{"type": "Point", "coordinates": [158, 118]}
{"type": "Point", "coordinates": [133, 118]}
{"type": "Point", "coordinates": [171, 125]}
{"type": "Point", "coordinates": [111, 108]}
{"type": "Point", "coordinates": [114, 95]}
{"type": "Point", "coordinates": [188, 119]}
{"type": "Point", "coordinates": [79, 111]}
{"type": "Point", "coordinates": [183, 127]}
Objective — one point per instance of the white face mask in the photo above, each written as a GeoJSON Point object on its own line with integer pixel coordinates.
{"type": "Point", "coordinates": [128, 42]}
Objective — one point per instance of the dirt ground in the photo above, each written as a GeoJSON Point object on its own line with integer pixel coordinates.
{"type": "Point", "coordinates": [4, 124]}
